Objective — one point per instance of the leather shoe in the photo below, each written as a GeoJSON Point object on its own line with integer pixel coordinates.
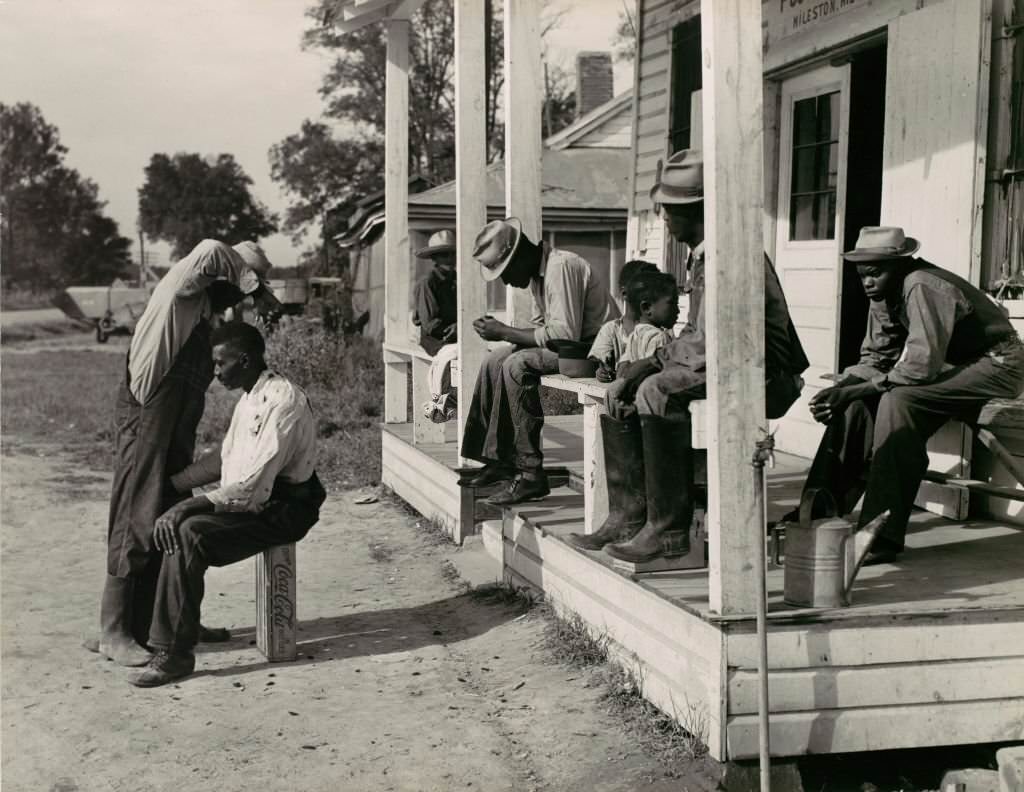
{"type": "Point", "coordinates": [214, 634]}
{"type": "Point", "coordinates": [165, 667]}
{"type": "Point", "coordinates": [521, 489]}
{"type": "Point", "coordinates": [488, 476]}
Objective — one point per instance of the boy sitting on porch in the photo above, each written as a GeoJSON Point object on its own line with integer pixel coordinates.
{"type": "Point", "coordinates": [613, 336]}
{"type": "Point", "coordinates": [505, 417]}
{"type": "Point", "coordinates": [936, 348]}
{"type": "Point", "coordinates": [648, 457]}
{"type": "Point", "coordinates": [435, 294]}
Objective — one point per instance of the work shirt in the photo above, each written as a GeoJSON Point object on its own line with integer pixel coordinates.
{"type": "Point", "coordinates": [569, 300]}
{"type": "Point", "coordinates": [783, 352]}
{"type": "Point", "coordinates": [436, 307]}
{"type": "Point", "coordinates": [272, 436]}
{"type": "Point", "coordinates": [178, 304]}
{"type": "Point", "coordinates": [614, 346]}
{"type": "Point", "coordinates": [938, 319]}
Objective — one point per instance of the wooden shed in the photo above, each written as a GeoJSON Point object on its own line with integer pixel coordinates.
{"type": "Point", "coordinates": [815, 117]}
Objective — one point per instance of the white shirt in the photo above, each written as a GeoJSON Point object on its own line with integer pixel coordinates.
{"type": "Point", "coordinates": [178, 304]}
{"type": "Point", "coordinates": [272, 435]}
{"type": "Point", "coordinates": [569, 300]}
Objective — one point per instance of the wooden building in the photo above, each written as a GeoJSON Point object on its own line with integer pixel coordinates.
{"type": "Point", "coordinates": [815, 117]}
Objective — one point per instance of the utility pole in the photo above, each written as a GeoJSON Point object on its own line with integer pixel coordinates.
{"type": "Point", "coordinates": [142, 258]}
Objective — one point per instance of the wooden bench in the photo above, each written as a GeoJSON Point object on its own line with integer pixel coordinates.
{"type": "Point", "coordinates": [276, 590]}
{"type": "Point", "coordinates": [1005, 414]}
{"type": "Point", "coordinates": [591, 395]}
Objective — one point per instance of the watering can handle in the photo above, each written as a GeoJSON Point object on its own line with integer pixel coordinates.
{"type": "Point", "coordinates": [807, 501]}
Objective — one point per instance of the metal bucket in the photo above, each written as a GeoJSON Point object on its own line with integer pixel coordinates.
{"type": "Point", "coordinates": [819, 555]}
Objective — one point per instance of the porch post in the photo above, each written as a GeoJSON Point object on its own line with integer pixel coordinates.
{"type": "Point", "coordinates": [734, 200]}
{"type": "Point", "coordinates": [396, 216]}
{"type": "Point", "coordinates": [524, 100]}
{"type": "Point", "coordinates": [470, 189]}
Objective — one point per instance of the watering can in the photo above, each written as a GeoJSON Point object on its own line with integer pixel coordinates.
{"type": "Point", "coordinates": [821, 555]}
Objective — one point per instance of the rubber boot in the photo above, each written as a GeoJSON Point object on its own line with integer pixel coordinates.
{"type": "Point", "coordinates": [624, 472]}
{"type": "Point", "coordinates": [116, 641]}
{"type": "Point", "coordinates": [668, 469]}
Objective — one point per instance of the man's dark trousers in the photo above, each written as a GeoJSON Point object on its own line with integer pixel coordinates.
{"type": "Point", "coordinates": [878, 446]}
{"type": "Point", "coordinates": [505, 417]}
{"type": "Point", "coordinates": [220, 539]}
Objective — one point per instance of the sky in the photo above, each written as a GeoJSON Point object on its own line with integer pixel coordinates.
{"type": "Point", "coordinates": [124, 79]}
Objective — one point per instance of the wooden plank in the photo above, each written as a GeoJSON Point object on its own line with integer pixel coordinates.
{"type": "Point", "coordinates": [851, 687]}
{"type": "Point", "coordinates": [276, 598]}
{"type": "Point", "coordinates": [734, 241]}
{"type": "Point", "coordinates": [595, 481]}
{"type": "Point", "coordinates": [470, 192]}
{"type": "Point", "coordinates": [880, 728]}
{"type": "Point", "coordinates": [879, 641]}
{"type": "Point", "coordinates": [524, 99]}
{"type": "Point", "coordinates": [397, 271]}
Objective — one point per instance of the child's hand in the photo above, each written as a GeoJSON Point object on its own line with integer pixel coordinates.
{"type": "Point", "coordinates": [604, 373]}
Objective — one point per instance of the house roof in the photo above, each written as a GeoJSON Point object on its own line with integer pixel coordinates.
{"type": "Point", "coordinates": [350, 15]}
{"type": "Point", "coordinates": [586, 124]}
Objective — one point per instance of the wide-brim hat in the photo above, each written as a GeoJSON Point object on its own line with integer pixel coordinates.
{"type": "Point", "coordinates": [496, 246]}
{"type": "Point", "coordinates": [440, 242]}
{"type": "Point", "coordinates": [257, 264]}
{"type": "Point", "coordinates": [681, 180]}
{"type": "Point", "coordinates": [879, 243]}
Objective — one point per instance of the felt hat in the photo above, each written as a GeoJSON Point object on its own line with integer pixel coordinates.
{"type": "Point", "coordinates": [496, 245]}
{"type": "Point", "coordinates": [681, 180]}
{"type": "Point", "coordinates": [878, 243]}
{"type": "Point", "coordinates": [440, 242]}
{"type": "Point", "coordinates": [257, 265]}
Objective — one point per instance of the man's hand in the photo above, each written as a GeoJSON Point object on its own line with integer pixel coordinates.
{"type": "Point", "coordinates": [165, 532]}
{"type": "Point", "coordinates": [490, 329]}
{"type": "Point", "coordinates": [618, 399]}
{"type": "Point", "coordinates": [831, 402]}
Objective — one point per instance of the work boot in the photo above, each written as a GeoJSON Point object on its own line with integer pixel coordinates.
{"type": "Point", "coordinates": [524, 487]}
{"type": "Point", "coordinates": [624, 472]}
{"type": "Point", "coordinates": [116, 641]}
{"type": "Point", "coordinates": [668, 473]}
{"type": "Point", "coordinates": [488, 476]}
{"type": "Point", "coordinates": [165, 667]}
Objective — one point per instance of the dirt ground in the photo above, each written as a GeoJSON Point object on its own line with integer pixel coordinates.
{"type": "Point", "coordinates": [404, 682]}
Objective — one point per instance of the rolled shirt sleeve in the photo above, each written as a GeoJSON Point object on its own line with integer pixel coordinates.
{"type": "Point", "coordinates": [604, 347]}
{"type": "Point", "coordinates": [211, 260]}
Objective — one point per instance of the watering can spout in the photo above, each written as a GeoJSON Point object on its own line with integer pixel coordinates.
{"type": "Point", "coordinates": [862, 541]}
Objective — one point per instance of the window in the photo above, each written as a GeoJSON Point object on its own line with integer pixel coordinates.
{"type": "Point", "coordinates": [812, 201]}
{"type": "Point", "coordinates": [686, 78]}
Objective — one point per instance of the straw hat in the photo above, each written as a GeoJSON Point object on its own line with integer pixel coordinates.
{"type": "Point", "coordinates": [878, 243]}
{"type": "Point", "coordinates": [257, 263]}
{"type": "Point", "coordinates": [681, 180]}
{"type": "Point", "coordinates": [439, 242]}
{"type": "Point", "coordinates": [496, 245]}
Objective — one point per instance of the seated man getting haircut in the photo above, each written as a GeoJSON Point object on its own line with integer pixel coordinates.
{"type": "Point", "coordinates": [936, 348]}
{"type": "Point", "coordinates": [269, 495]}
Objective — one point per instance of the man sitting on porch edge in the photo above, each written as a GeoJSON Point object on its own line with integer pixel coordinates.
{"type": "Point", "coordinates": [269, 495]}
{"type": "Point", "coordinates": [648, 456]}
{"type": "Point", "coordinates": [936, 348]}
{"type": "Point", "coordinates": [505, 417]}
{"type": "Point", "coordinates": [435, 294]}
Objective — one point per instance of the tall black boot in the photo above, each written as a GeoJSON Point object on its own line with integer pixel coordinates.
{"type": "Point", "coordinates": [668, 468]}
{"type": "Point", "coordinates": [116, 640]}
{"type": "Point", "coordinates": [624, 472]}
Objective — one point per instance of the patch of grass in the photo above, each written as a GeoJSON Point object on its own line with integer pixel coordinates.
{"type": "Point", "coordinates": [38, 330]}
{"type": "Point", "coordinates": [64, 397]}
{"type": "Point", "coordinates": [569, 640]}
{"type": "Point", "coordinates": [18, 298]}
{"type": "Point", "coordinates": [674, 738]}
{"type": "Point", "coordinates": [380, 552]}
{"type": "Point", "coordinates": [506, 595]}
{"type": "Point", "coordinates": [435, 529]}
{"type": "Point", "coordinates": [451, 575]}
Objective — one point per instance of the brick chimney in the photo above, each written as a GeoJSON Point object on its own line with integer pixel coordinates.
{"type": "Point", "coordinates": [594, 84]}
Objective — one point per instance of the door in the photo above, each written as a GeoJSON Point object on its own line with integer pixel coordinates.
{"type": "Point", "coordinates": [814, 121]}
{"type": "Point", "coordinates": [936, 110]}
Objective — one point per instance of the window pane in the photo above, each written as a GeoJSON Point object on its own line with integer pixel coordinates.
{"type": "Point", "coordinates": [815, 172]}
{"type": "Point", "coordinates": [804, 122]}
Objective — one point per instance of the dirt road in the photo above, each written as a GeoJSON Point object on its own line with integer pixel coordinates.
{"type": "Point", "coordinates": [404, 682]}
{"type": "Point", "coordinates": [30, 316]}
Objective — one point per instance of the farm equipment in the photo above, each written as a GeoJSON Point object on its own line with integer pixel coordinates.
{"type": "Point", "coordinates": [109, 309]}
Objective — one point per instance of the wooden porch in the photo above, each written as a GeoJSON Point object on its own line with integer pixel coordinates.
{"type": "Point", "coordinates": [931, 651]}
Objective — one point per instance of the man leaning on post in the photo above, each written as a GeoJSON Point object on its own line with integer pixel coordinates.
{"type": "Point", "coordinates": [505, 417]}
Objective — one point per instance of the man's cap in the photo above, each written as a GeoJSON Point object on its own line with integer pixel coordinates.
{"type": "Point", "coordinates": [496, 245]}
{"type": "Point", "coordinates": [257, 263]}
{"type": "Point", "coordinates": [681, 180]}
{"type": "Point", "coordinates": [440, 242]}
{"type": "Point", "coordinates": [878, 243]}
